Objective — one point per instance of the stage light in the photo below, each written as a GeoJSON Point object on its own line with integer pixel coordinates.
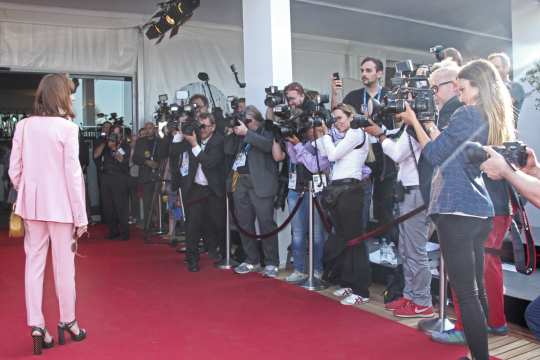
{"type": "Point", "coordinates": [171, 16]}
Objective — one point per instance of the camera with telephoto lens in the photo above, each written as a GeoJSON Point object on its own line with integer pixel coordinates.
{"type": "Point", "coordinates": [406, 88]}
{"type": "Point", "coordinates": [515, 152]}
{"type": "Point", "coordinates": [277, 100]}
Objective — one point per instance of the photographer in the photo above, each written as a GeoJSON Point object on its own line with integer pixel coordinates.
{"type": "Point", "coordinates": [304, 162]}
{"type": "Point", "coordinates": [527, 182]}
{"type": "Point", "coordinates": [201, 105]}
{"type": "Point", "coordinates": [460, 204]}
{"type": "Point", "coordinates": [443, 82]}
{"type": "Point", "coordinates": [254, 184]}
{"type": "Point", "coordinates": [346, 266]}
{"type": "Point", "coordinates": [383, 170]}
{"type": "Point", "coordinates": [149, 151]}
{"type": "Point", "coordinates": [201, 177]}
{"type": "Point", "coordinates": [115, 187]}
{"type": "Point", "coordinates": [413, 233]}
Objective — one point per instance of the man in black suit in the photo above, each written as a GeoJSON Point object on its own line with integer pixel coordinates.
{"type": "Point", "coordinates": [198, 168]}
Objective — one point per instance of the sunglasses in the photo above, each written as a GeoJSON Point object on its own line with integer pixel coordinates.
{"type": "Point", "coordinates": [436, 88]}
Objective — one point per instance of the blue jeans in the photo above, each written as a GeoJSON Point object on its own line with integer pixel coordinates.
{"type": "Point", "coordinates": [532, 316]}
{"type": "Point", "coordinates": [300, 228]}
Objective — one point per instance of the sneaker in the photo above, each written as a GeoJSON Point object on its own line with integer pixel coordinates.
{"type": "Point", "coordinates": [342, 292]}
{"type": "Point", "coordinates": [295, 277]}
{"type": "Point", "coordinates": [455, 337]}
{"type": "Point", "coordinates": [354, 299]}
{"type": "Point", "coordinates": [412, 310]}
{"type": "Point", "coordinates": [270, 271]}
{"type": "Point", "coordinates": [396, 304]}
{"type": "Point", "coordinates": [499, 331]}
{"type": "Point", "coordinates": [245, 268]}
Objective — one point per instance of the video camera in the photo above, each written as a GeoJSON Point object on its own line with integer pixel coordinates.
{"type": "Point", "coordinates": [515, 152]}
{"type": "Point", "coordinates": [406, 88]}
{"type": "Point", "coordinates": [277, 100]}
{"type": "Point", "coordinates": [297, 122]}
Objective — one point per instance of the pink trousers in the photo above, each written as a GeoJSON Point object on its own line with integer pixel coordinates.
{"type": "Point", "coordinates": [36, 246]}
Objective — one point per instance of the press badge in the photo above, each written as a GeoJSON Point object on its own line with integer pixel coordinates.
{"type": "Point", "coordinates": [240, 160]}
{"type": "Point", "coordinates": [184, 168]}
{"type": "Point", "coordinates": [146, 154]}
{"type": "Point", "coordinates": [319, 183]}
{"type": "Point", "coordinates": [292, 180]}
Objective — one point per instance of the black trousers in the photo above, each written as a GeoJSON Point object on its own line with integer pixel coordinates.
{"type": "Point", "coordinates": [115, 194]}
{"type": "Point", "coordinates": [383, 206]}
{"type": "Point", "coordinates": [148, 196]}
{"type": "Point", "coordinates": [350, 268]}
{"type": "Point", "coordinates": [205, 217]}
{"type": "Point", "coordinates": [248, 207]}
{"type": "Point", "coordinates": [462, 244]}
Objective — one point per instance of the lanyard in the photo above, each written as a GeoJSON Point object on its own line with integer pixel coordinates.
{"type": "Point", "coordinates": [377, 97]}
{"type": "Point", "coordinates": [153, 149]}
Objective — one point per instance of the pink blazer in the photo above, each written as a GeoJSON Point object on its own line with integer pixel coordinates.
{"type": "Point", "coordinates": [45, 170]}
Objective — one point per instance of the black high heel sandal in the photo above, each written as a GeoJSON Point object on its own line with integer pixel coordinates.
{"type": "Point", "coordinates": [62, 327]}
{"type": "Point", "coordinates": [38, 341]}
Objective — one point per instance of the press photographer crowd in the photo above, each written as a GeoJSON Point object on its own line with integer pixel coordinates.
{"type": "Point", "coordinates": [436, 156]}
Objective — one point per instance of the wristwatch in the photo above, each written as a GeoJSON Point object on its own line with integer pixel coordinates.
{"type": "Point", "coordinates": [430, 129]}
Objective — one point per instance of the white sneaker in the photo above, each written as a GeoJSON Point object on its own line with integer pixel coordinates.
{"type": "Point", "coordinates": [342, 292]}
{"type": "Point", "coordinates": [295, 277]}
{"type": "Point", "coordinates": [354, 299]}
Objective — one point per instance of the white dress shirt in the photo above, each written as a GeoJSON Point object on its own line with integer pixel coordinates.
{"type": "Point", "coordinates": [200, 178]}
{"type": "Point", "coordinates": [399, 150]}
{"type": "Point", "coordinates": [347, 161]}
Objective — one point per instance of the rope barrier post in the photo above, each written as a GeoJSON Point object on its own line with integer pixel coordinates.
{"type": "Point", "coordinates": [160, 231]}
{"type": "Point", "coordinates": [442, 323]}
{"type": "Point", "coordinates": [312, 283]}
{"type": "Point", "coordinates": [227, 263]}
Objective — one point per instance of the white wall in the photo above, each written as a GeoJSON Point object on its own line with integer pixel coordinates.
{"type": "Point", "coordinates": [526, 51]}
{"type": "Point", "coordinates": [205, 47]}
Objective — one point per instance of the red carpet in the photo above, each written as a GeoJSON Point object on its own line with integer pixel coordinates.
{"type": "Point", "coordinates": [138, 302]}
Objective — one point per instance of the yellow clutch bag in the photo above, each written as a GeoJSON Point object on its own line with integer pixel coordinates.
{"type": "Point", "coordinates": [16, 226]}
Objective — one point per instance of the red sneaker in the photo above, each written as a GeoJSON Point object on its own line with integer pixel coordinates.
{"type": "Point", "coordinates": [396, 304]}
{"type": "Point", "coordinates": [411, 310]}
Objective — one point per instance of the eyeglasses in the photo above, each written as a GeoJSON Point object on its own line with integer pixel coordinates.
{"type": "Point", "coordinates": [436, 88]}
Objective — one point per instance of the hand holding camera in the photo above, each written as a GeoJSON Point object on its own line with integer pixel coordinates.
{"type": "Point", "coordinates": [293, 139]}
{"type": "Point", "coordinates": [241, 129]}
{"type": "Point", "coordinates": [191, 139]}
{"type": "Point", "coordinates": [497, 165]}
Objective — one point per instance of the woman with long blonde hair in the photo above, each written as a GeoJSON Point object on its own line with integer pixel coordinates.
{"type": "Point", "coordinates": [460, 204]}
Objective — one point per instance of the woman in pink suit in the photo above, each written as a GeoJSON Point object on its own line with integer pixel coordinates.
{"type": "Point", "coordinates": [45, 171]}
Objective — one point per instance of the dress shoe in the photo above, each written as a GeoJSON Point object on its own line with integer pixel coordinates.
{"type": "Point", "coordinates": [113, 236]}
{"type": "Point", "coordinates": [193, 266]}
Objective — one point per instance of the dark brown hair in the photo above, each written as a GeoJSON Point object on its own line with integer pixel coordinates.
{"type": "Point", "coordinates": [209, 116]}
{"type": "Point", "coordinates": [53, 97]}
{"type": "Point", "coordinates": [294, 86]}
{"type": "Point", "coordinates": [378, 63]}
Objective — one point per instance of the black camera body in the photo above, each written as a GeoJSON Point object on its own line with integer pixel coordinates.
{"type": "Point", "coordinates": [232, 120]}
{"type": "Point", "coordinates": [277, 100]}
{"type": "Point", "coordinates": [360, 121]}
{"type": "Point", "coordinates": [190, 126]}
{"type": "Point", "coordinates": [515, 152]}
{"type": "Point", "coordinates": [406, 88]}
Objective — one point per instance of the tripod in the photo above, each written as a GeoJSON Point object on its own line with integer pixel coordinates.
{"type": "Point", "coordinates": [156, 209]}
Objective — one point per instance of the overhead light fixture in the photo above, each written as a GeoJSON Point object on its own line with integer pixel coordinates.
{"type": "Point", "coordinates": [171, 16]}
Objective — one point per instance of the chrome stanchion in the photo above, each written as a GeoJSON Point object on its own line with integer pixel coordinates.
{"type": "Point", "coordinates": [442, 323]}
{"type": "Point", "coordinates": [160, 231]}
{"type": "Point", "coordinates": [227, 263]}
{"type": "Point", "coordinates": [312, 283]}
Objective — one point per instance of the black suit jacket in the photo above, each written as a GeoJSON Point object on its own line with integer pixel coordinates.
{"type": "Point", "coordinates": [212, 160]}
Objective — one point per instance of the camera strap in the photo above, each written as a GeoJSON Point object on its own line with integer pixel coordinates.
{"type": "Point", "coordinates": [525, 261]}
